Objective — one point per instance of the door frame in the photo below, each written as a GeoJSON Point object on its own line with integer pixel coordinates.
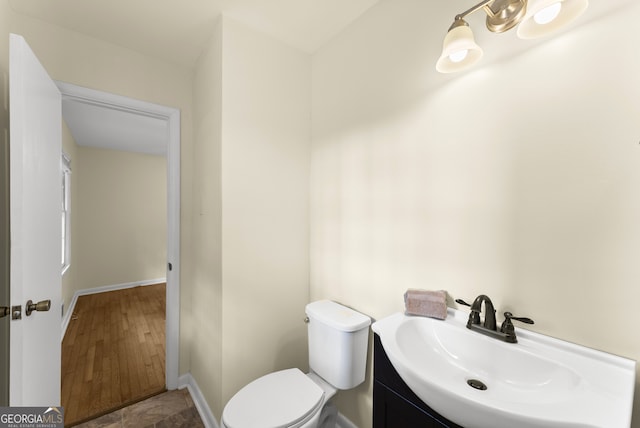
{"type": "Point", "coordinates": [172, 117]}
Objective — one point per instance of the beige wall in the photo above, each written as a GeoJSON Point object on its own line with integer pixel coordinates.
{"type": "Point", "coordinates": [266, 102]}
{"type": "Point", "coordinates": [72, 57]}
{"type": "Point", "coordinates": [518, 179]}
{"type": "Point", "coordinates": [252, 109]}
{"type": "Point", "coordinates": [206, 331]}
{"type": "Point", "coordinates": [121, 216]}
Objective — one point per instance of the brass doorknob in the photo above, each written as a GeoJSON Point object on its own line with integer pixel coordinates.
{"type": "Point", "coordinates": [4, 311]}
{"type": "Point", "coordinates": [41, 306]}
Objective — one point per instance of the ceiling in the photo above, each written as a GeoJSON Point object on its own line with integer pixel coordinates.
{"type": "Point", "coordinates": [106, 127]}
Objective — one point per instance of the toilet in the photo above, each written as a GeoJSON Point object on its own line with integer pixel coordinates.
{"type": "Point", "coordinates": [338, 340]}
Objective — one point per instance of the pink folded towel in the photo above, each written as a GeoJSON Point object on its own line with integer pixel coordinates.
{"type": "Point", "coordinates": [426, 303]}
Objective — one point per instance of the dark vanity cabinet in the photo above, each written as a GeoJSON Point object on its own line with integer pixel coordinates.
{"type": "Point", "coordinates": [394, 404]}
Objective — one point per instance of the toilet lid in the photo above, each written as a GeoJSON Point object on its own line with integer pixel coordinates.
{"type": "Point", "coordinates": [276, 400]}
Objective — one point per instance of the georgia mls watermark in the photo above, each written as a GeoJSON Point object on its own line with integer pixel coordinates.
{"type": "Point", "coordinates": [31, 417]}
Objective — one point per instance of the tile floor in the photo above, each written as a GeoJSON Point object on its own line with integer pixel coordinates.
{"type": "Point", "coordinates": [169, 409]}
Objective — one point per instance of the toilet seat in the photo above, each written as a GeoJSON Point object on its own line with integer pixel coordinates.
{"type": "Point", "coordinates": [283, 399]}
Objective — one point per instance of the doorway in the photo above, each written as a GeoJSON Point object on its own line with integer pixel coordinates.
{"type": "Point", "coordinates": [124, 106]}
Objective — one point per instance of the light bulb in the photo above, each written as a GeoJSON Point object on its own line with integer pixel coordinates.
{"type": "Point", "coordinates": [548, 14]}
{"type": "Point", "coordinates": [458, 56]}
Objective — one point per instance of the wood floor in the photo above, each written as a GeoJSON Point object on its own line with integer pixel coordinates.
{"type": "Point", "coordinates": [113, 353]}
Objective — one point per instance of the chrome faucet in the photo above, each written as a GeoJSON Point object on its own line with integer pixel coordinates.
{"type": "Point", "coordinates": [488, 327]}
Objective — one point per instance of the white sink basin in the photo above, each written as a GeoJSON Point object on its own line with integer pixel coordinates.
{"type": "Point", "coordinates": [539, 382]}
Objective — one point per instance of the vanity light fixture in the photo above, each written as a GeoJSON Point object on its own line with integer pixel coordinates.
{"type": "Point", "coordinates": [534, 18]}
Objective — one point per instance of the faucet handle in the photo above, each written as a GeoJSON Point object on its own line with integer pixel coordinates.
{"type": "Point", "coordinates": [462, 302]}
{"type": "Point", "coordinates": [508, 328]}
{"type": "Point", "coordinates": [509, 316]}
{"type": "Point", "coordinates": [474, 316]}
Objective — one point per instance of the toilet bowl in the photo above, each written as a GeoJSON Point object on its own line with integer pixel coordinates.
{"type": "Point", "coordinates": [284, 399]}
{"type": "Point", "coordinates": [338, 340]}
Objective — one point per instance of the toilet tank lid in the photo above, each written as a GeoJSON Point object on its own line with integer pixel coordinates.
{"type": "Point", "coordinates": [337, 316]}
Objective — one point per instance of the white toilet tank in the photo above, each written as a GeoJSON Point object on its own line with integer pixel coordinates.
{"type": "Point", "coordinates": [338, 340]}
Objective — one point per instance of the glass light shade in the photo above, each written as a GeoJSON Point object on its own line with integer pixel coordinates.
{"type": "Point", "coordinates": [458, 40]}
{"type": "Point", "coordinates": [548, 14]}
{"type": "Point", "coordinates": [529, 28]}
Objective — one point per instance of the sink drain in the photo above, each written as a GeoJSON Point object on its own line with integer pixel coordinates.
{"type": "Point", "coordinates": [475, 383]}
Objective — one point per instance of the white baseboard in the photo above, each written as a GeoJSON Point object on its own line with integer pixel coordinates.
{"type": "Point", "coordinates": [67, 315]}
{"type": "Point", "coordinates": [187, 381]}
{"type": "Point", "coordinates": [343, 422]}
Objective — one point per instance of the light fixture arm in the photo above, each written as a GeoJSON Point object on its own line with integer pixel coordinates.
{"type": "Point", "coordinates": [502, 15]}
{"type": "Point", "coordinates": [475, 9]}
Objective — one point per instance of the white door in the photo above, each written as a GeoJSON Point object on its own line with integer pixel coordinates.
{"type": "Point", "coordinates": [36, 197]}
